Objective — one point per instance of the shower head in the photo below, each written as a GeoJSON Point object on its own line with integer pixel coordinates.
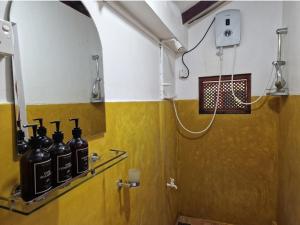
{"type": "Point", "coordinates": [279, 85]}
{"type": "Point", "coordinates": [282, 30]}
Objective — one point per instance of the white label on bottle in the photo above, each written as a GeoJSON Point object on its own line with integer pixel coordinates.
{"type": "Point", "coordinates": [63, 168]}
{"type": "Point", "coordinates": [82, 160]}
{"type": "Point", "coordinates": [42, 177]}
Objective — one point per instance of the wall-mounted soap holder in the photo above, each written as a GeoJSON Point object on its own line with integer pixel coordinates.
{"type": "Point", "coordinates": [93, 159]}
{"type": "Point", "coordinates": [126, 184]}
{"type": "Point", "coordinates": [133, 179]}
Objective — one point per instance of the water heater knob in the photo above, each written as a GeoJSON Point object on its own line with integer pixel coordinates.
{"type": "Point", "coordinates": [227, 33]}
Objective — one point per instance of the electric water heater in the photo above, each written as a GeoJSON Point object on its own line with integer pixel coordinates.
{"type": "Point", "coordinates": [228, 28]}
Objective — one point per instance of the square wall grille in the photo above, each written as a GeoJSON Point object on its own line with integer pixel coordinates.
{"type": "Point", "coordinates": [208, 89]}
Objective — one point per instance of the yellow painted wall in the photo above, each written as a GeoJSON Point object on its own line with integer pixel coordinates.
{"type": "Point", "coordinates": [230, 173]}
{"type": "Point", "coordinates": [92, 117]}
{"type": "Point", "coordinates": [289, 162]}
{"type": "Point", "coordinates": [136, 127]}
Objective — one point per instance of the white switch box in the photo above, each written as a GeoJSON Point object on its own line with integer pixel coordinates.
{"type": "Point", "coordinates": [6, 38]}
{"type": "Point", "coordinates": [228, 28]}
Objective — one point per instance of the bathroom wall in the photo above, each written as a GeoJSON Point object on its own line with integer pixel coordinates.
{"type": "Point", "coordinates": [290, 20]}
{"type": "Point", "coordinates": [230, 173]}
{"type": "Point", "coordinates": [289, 170]}
{"type": "Point", "coordinates": [136, 121]}
{"type": "Point", "coordinates": [170, 15]}
{"type": "Point", "coordinates": [126, 78]}
{"type": "Point", "coordinates": [131, 61]}
{"type": "Point", "coordinates": [147, 131]}
{"type": "Point", "coordinates": [92, 117]}
{"type": "Point", "coordinates": [66, 40]}
{"type": "Point", "coordinates": [255, 53]}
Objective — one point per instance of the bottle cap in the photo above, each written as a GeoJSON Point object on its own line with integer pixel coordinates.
{"type": "Point", "coordinates": [58, 136]}
{"type": "Point", "coordinates": [34, 141]}
{"type": "Point", "coordinates": [76, 131]}
{"type": "Point", "coordinates": [42, 131]}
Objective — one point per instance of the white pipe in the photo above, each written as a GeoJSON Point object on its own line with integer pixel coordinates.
{"type": "Point", "coordinates": [161, 71]}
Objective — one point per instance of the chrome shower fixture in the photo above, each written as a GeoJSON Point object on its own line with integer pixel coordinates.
{"type": "Point", "coordinates": [96, 90]}
{"type": "Point", "coordinates": [279, 83]}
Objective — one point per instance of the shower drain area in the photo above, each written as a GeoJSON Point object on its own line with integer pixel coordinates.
{"type": "Point", "coordinates": [184, 220]}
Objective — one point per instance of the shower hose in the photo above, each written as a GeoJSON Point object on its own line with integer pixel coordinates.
{"type": "Point", "coordinates": [220, 54]}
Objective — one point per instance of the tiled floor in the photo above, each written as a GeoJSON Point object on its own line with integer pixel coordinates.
{"type": "Point", "coordinates": [183, 220]}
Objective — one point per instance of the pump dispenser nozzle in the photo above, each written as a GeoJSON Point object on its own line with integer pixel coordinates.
{"type": "Point", "coordinates": [34, 141]}
{"type": "Point", "coordinates": [34, 129]}
{"type": "Point", "coordinates": [42, 131]}
{"type": "Point", "coordinates": [58, 136]}
{"type": "Point", "coordinates": [76, 131]}
{"type": "Point", "coordinates": [22, 144]}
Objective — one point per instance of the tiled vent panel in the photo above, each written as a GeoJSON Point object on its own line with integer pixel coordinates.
{"type": "Point", "coordinates": [208, 87]}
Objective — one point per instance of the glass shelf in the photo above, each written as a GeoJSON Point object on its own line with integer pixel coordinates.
{"type": "Point", "coordinates": [98, 164]}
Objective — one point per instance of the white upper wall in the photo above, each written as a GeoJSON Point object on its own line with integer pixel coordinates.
{"type": "Point", "coordinates": [56, 45]}
{"type": "Point", "coordinates": [130, 58]}
{"type": "Point", "coordinates": [170, 14]}
{"type": "Point", "coordinates": [259, 21]}
{"type": "Point", "coordinates": [291, 18]}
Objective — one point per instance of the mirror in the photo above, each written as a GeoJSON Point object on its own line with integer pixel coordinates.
{"type": "Point", "coordinates": [57, 66]}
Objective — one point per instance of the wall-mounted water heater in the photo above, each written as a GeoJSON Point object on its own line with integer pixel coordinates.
{"type": "Point", "coordinates": [6, 39]}
{"type": "Point", "coordinates": [228, 28]}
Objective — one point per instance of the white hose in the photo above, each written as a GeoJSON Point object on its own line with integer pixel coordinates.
{"type": "Point", "coordinates": [232, 91]}
{"type": "Point", "coordinates": [220, 54]}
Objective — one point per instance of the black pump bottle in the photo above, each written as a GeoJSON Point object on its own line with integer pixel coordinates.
{"type": "Point", "coordinates": [46, 142]}
{"type": "Point", "coordinates": [35, 169]}
{"type": "Point", "coordinates": [22, 144]}
{"type": "Point", "coordinates": [61, 158]}
{"type": "Point", "coordinates": [79, 148]}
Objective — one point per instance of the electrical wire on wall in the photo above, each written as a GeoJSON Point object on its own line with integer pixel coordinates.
{"type": "Point", "coordinates": [220, 54]}
{"type": "Point", "coordinates": [192, 49]}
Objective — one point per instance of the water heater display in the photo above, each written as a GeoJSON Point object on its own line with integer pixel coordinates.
{"type": "Point", "coordinates": [6, 46]}
{"type": "Point", "coordinates": [228, 28]}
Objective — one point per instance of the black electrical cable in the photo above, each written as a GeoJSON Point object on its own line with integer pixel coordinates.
{"type": "Point", "coordinates": [188, 70]}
